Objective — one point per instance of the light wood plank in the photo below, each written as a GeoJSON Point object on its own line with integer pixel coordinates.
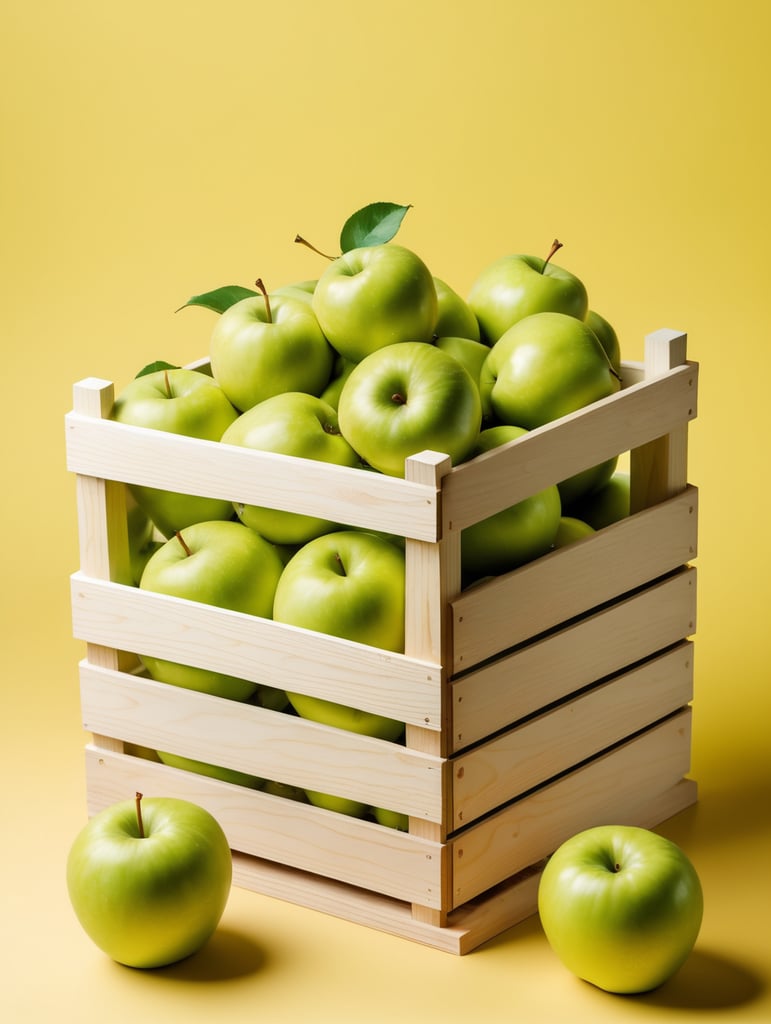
{"type": "Point", "coordinates": [570, 581]}
{"type": "Point", "coordinates": [608, 790]}
{"type": "Point", "coordinates": [248, 647]}
{"type": "Point", "coordinates": [547, 670]}
{"type": "Point", "coordinates": [554, 741]}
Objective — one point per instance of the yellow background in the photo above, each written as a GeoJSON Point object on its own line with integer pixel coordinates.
{"type": "Point", "coordinates": [154, 150]}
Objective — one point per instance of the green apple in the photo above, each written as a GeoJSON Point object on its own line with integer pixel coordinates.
{"type": "Point", "coordinates": [270, 698]}
{"type": "Point", "coordinates": [149, 881]}
{"type": "Point", "coordinates": [607, 505]}
{"type": "Point", "coordinates": [284, 790]}
{"type": "Point", "coordinates": [340, 374]}
{"type": "Point", "coordinates": [514, 535]}
{"type": "Point", "coordinates": [213, 771]}
{"type": "Point", "coordinates": [405, 399]}
{"type": "Point", "coordinates": [455, 318]}
{"type": "Point", "coordinates": [621, 907]}
{"type": "Point", "coordinates": [469, 353]}
{"type": "Point", "coordinates": [298, 424]}
{"type": "Point", "coordinates": [302, 290]}
{"type": "Point", "coordinates": [544, 367]}
{"type": "Point", "coordinates": [339, 804]}
{"type": "Point", "coordinates": [606, 336]}
{"type": "Point", "coordinates": [262, 346]}
{"type": "Point", "coordinates": [571, 529]}
{"type": "Point", "coordinates": [516, 286]}
{"type": "Point", "coordinates": [224, 564]}
{"type": "Point", "coordinates": [373, 296]}
{"type": "Point", "coordinates": [179, 401]}
{"type": "Point", "coordinates": [348, 584]}
{"type": "Point", "coordinates": [391, 819]}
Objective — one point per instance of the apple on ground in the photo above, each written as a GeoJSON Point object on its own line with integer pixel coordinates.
{"type": "Point", "coordinates": [516, 286]}
{"type": "Point", "coordinates": [262, 346]}
{"type": "Point", "coordinates": [455, 318]}
{"type": "Point", "coordinates": [179, 401]}
{"type": "Point", "coordinates": [224, 564]}
{"type": "Point", "coordinates": [213, 771]}
{"type": "Point", "coordinates": [608, 504]}
{"type": "Point", "coordinates": [348, 584]}
{"type": "Point", "coordinates": [297, 424]}
{"type": "Point", "coordinates": [621, 907]}
{"type": "Point", "coordinates": [514, 535]}
{"type": "Point", "coordinates": [408, 398]}
{"type": "Point", "coordinates": [570, 530]}
{"type": "Point", "coordinates": [149, 879]}
{"type": "Point", "coordinates": [375, 295]}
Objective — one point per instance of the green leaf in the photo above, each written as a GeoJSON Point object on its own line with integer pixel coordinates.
{"type": "Point", "coordinates": [159, 364]}
{"type": "Point", "coordinates": [221, 298]}
{"type": "Point", "coordinates": [372, 225]}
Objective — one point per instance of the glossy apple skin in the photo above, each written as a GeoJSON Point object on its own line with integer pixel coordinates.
{"type": "Point", "coordinates": [516, 286]}
{"type": "Point", "coordinates": [542, 368]}
{"type": "Point", "coordinates": [342, 717]}
{"type": "Point", "coordinates": [147, 902]}
{"type": "Point", "coordinates": [339, 804]}
{"type": "Point", "coordinates": [375, 296]}
{"type": "Point", "coordinates": [455, 318]}
{"type": "Point", "coordinates": [230, 567]}
{"type": "Point", "coordinates": [621, 907]}
{"type": "Point", "coordinates": [254, 357]}
{"type": "Point", "coordinates": [295, 424]}
{"type": "Point", "coordinates": [570, 530]}
{"type": "Point", "coordinates": [212, 771]}
{"type": "Point", "coordinates": [469, 353]}
{"type": "Point", "coordinates": [178, 401]}
{"type": "Point", "coordinates": [607, 337]}
{"type": "Point", "coordinates": [408, 398]}
{"type": "Point", "coordinates": [515, 535]}
{"type": "Point", "coordinates": [607, 505]}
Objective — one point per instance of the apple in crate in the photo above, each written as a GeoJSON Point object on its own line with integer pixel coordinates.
{"type": "Point", "coordinates": [224, 564]}
{"type": "Point", "coordinates": [405, 399]}
{"type": "Point", "coordinates": [513, 287]}
{"type": "Point", "coordinates": [375, 295]}
{"type": "Point", "coordinates": [178, 401]}
{"type": "Point", "coordinates": [149, 879]}
{"type": "Point", "coordinates": [262, 346]}
{"type": "Point", "coordinates": [294, 424]}
{"type": "Point", "coordinates": [454, 318]}
{"type": "Point", "coordinates": [621, 907]}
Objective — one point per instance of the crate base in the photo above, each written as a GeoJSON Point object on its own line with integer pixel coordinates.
{"type": "Point", "coordinates": [468, 927]}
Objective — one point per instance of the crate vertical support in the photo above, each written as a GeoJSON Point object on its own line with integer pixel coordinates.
{"type": "Point", "coordinates": [433, 579]}
{"type": "Point", "coordinates": [102, 527]}
{"type": "Point", "coordinates": [659, 469]}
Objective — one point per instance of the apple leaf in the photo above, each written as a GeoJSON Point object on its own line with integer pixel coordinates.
{"type": "Point", "coordinates": [372, 225]}
{"type": "Point", "coordinates": [159, 364]}
{"type": "Point", "coordinates": [221, 298]}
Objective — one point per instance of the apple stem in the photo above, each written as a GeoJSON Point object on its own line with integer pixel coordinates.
{"type": "Point", "coordinates": [140, 823]}
{"type": "Point", "coordinates": [398, 399]}
{"type": "Point", "coordinates": [340, 563]}
{"type": "Point", "coordinates": [302, 241]}
{"type": "Point", "coordinates": [182, 541]}
{"type": "Point", "coordinates": [167, 382]}
{"type": "Point", "coordinates": [555, 247]}
{"type": "Point", "coordinates": [263, 289]}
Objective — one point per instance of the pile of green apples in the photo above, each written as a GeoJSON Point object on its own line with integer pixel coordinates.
{"type": "Point", "coordinates": [375, 360]}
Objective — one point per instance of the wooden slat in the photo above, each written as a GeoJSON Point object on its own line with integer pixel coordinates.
{"type": "Point", "coordinates": [607, 790]}
{"type": "Point", "coordinates": [570, 581]}
{"type": "Point", "coordinates": [118, 451]}
{"type": "Point", "coordinates": [324, 842]}
{"type": "Point", "coordinates": [268, 744]}
{"type": "Point", "coordinates": [547, 670]}
{"type": "Point", "coordinates": [249, 647]}
{"type": "Point", "coordinates": [551, 453]}
{"type": "Point", "coordinates": [550, 743]}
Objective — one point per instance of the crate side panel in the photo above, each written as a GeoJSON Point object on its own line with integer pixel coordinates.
{"type": "Point", "coordinates": [551, 743]}
{"type": "Point", "coordinates": [323, 842]}
{"type": "Point", "coordinates": [266, 744]}
{"type": "Point", "coordinates": [248, 647]}
{"type": "Point", "coordinates": [547, 670]}
{"type": "Point", "coordinates": [572, 580]}
{"type": "Point", "coordinates": [607, 790]}
{"type": "Point", "coordinates": [136, 455]}
{"type": "Point", "coordinates": [546, 455]}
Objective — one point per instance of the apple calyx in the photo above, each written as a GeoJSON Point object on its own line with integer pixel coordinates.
{"type": "Point", "coordinates": [555, 247]}
{"type": "Point", "coordinates": [183, 542]}
{"type": "Point", "coordinates": [140, 823]}
{"type": "Point", "coordinates": [302, 241]}
{"type": "Point", "coordinates": [258, 284]}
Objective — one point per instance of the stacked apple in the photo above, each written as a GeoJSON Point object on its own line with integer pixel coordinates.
{"type": "Point", "coordinates": [374, 361]}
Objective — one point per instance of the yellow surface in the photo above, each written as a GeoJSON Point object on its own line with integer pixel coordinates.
{"type": "Point", "coordinates": [154, 150]}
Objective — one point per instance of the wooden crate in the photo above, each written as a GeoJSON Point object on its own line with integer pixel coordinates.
{"type": "Point", "coordinates": [543, 702]}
